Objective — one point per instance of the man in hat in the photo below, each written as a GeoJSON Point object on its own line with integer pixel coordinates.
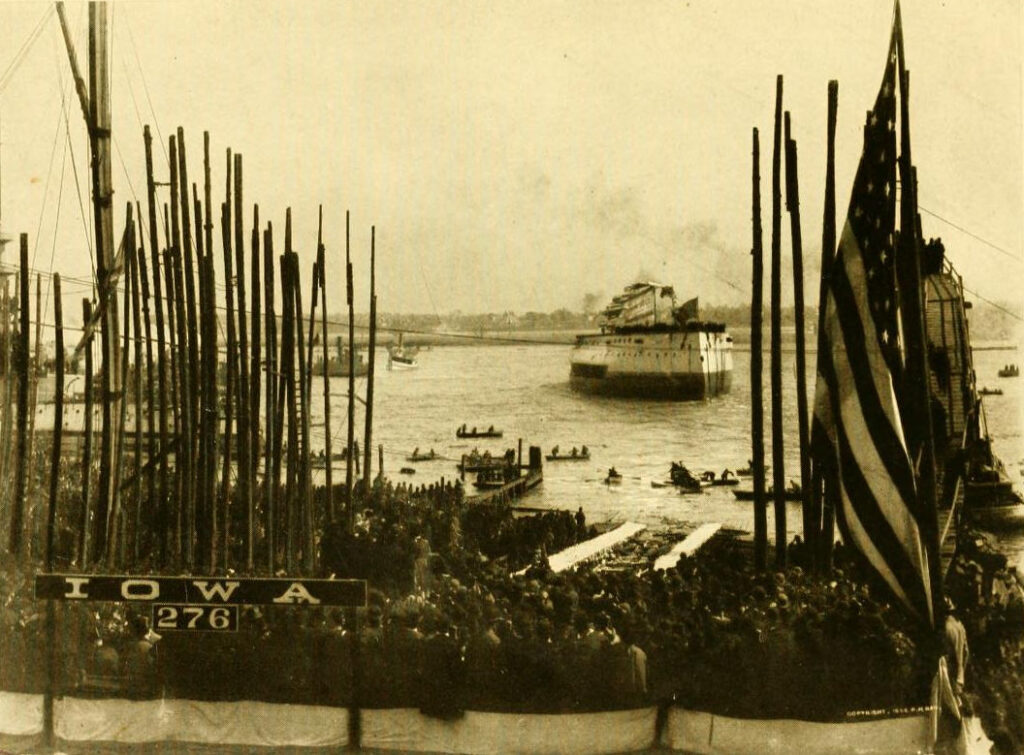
{"type": "Point", "coordinates": [956, 651]}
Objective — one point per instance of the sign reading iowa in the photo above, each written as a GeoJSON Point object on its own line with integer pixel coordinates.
{"type": "Point", "coordinates": [219, 590]}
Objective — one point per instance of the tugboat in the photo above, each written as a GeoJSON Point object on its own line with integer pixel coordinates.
{"type": "Point", "coordinates": [401, 357]}
{"type": "Point", "coordinates": [650, 348]}
{"type": "Point", "coordinates": [338, 364]}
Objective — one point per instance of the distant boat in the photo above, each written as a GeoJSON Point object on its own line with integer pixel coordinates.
{"type": "Point", "coordinates": [727, 478]}
{"type": "Point", "coordinates": [401, 357]}
{"type": "Point", "coordinates": [417, 456]}
{"type": "Point", "coordinates": [990, 392]}
{"type": "Point", "coordinates": [407, 470]}
{"type": "Point", "coordinates": [476, 462]}
{"type": "Point", "coordinates": [682, 478]}
{"type": "Point", "coordinates": [319, 461]}
{"type": "Point", "coordinates": [338, 364]}
{"type": "Point", "coordinates": [746, 494]}
{"type": "Point", "coordinates": [989, 498]}
{"type": "Point", "coordinates": [574, 455]}
{"type": "Point", "coordinates": [490, 432]}
{"type": "Point", "coordinates": [1010, 370]}
{"type": "Point", "coordinates": [613, 477]}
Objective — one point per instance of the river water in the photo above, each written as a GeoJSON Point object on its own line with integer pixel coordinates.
{"type": "Point", "coordinates": [524, 391]}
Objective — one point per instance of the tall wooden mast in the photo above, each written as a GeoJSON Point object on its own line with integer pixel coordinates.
{"type": "Point", "coordinates": [95, 103]}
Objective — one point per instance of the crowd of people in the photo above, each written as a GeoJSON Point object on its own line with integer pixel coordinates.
{"type": "Point", "coordinates": [449, 627]}
{"type": "Point", "coordinates": [987, 595]}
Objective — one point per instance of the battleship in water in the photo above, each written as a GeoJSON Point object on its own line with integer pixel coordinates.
{"type": "Point", "coordinates": [650, 348]}
{"type": "Point", "coordinates": [963, 448]}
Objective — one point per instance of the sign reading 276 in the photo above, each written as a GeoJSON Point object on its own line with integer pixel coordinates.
{"type": "Point", "coordinates": [201, 590]}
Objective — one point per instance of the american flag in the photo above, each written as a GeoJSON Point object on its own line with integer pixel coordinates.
{"type": "Point", "coordinates": [858, 431]}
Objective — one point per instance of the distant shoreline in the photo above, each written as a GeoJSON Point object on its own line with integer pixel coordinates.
{"type": "Point", "coordinates": [741, 339]}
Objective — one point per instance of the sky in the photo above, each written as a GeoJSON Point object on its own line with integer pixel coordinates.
{"type": "Point", "coordinates": [520, 155]}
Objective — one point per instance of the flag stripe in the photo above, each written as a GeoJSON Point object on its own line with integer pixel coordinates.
{"type": "Point", "coordinates": [883, 544]}
{"type": "Point", "coordinates": [853, 531]}
{"type": "Point", "coordinates": [899, 565]}
{"type": "Point", "coordinates": [870, 377]}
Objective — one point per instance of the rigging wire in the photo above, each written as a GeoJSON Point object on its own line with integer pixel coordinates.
{"type": "Point", "coordinates": [86, 217]}
{"type": "Point", "coordinates": [23, 51]}
{"type": "Point", "coordinates": [46, 187]}
{"type": "Point", "coordinates": [991, 303]}
{"type": "Point", "coordinates": [145, 88]}
{"type": "Point", "coordinates": [974, 236]}
{"type": "Point", "coordinates": [56, 224]}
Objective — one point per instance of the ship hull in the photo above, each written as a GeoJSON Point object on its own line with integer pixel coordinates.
{"type": "Point", "coordinates": [670, 366]}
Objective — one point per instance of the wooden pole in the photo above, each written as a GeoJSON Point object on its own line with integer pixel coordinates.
{"type": "Point", "coordinates": [793, 206]}
{"type": "Point", "coordinates": [349, 453]}
{"type": "Point", "coordinates": [206, 522]}
{"type": "Point", "coordinates": [119, 515]}
{"type": "Point", "coordinates": [21, 369]}
{"type": "Point", "coordinates": [917, 375]}
{"type": "Point", "coordinates": [756, 370]}
{"type": "Point", "coordinates": [254, 350]}
{"type": "Point", "coordinates": [231, 368]}
{"type": "Point", "coordinates": [213, 408]}
{"type": "Point", "coordinates": [162, 502]}
{"type": "Point", "coordinates": [368, 435]}
{"type": "Point", "coordinates": [85, 541]}
{"type": "Point", "coordinates": [825, 497]}
{"type": "Point", "coordinates": [151, 413]}
{"type": "Point", "coordinates": [280, 363]}
{"type": "Point", "coordinates": [176, 400]}
{"type": "Point", "coordinates": [185, 455]}
{"type": "Point", "coordinates": [36, 368]}
{"type": "Point", "coordinates": [305, 485]}
{"type": "Point", "coordinates": [117, 519]}
{"type": "Point", "coordinates": [103, 226]}
{"type": "Point", "coordinates": [288, 378]}
{"type": "Point", "coordinates": [321, 257]}
{"type": "Point", "coordinates": [380, 461]}
{"type": "Point", "coordinates": [314, 295]}
{"type": "Point", "coordinates": [244, 454]}
{"type": "Point", "coordinates": [189, 268]}
{"type": "Point", "coordinates": [131, 258]}
{"type": "Point", "coordinates": [270, 482]}
{"type": "Point", "coordinates": [51, 514]}
{"type": "Point", "coordinates": [778, 445]}
{"type": "Point", "coordinates": [7, 375]}
{"type": "Point", "coordinates": [58, 421]}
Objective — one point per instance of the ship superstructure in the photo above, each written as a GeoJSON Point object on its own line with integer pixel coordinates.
{"type": "Point", "coordinates": [649, 347]}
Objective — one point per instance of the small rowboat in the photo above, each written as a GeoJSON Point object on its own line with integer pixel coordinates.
{"type": "Point", "coordinates": [613, 477]}
{"type": "Point", "coordinates": [746, 494]}
{"type": "Point", "coordinates": [990, 392]}
{"type": "Point", "coordinates": [421, 457]}
{"type": "Point", "coordinates": [407, 470]}
{"type": "Point", "coordinates": [567, 457]}
{"type": "Point", "coordinates": [490, 432]}
{"type": "Point", "coordinates": [727, 478]}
